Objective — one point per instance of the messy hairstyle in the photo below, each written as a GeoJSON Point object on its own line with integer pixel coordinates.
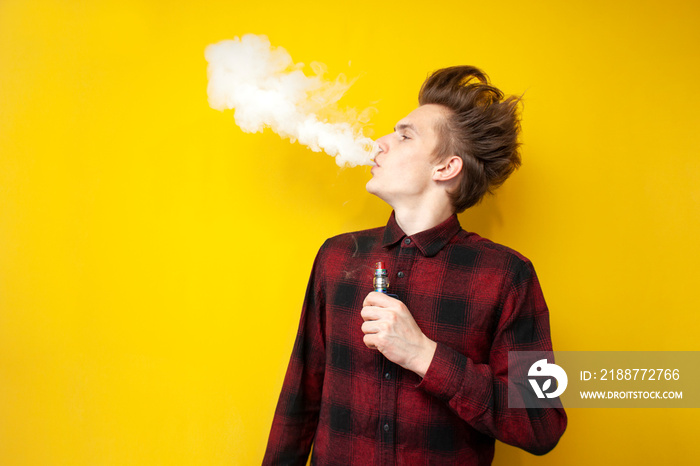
{"type": "Point", "coordinates": [481, 127]}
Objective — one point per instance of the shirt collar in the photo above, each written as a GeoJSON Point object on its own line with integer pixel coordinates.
{"type": "Point", "coordinates": [429, 242]}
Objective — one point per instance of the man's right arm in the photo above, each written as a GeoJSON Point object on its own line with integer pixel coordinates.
{"type": "Point", "coordinates": [296, 416]}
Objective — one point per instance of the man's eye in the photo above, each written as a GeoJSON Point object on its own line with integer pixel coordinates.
{"type": "Point", "coordinates": [403, 137]}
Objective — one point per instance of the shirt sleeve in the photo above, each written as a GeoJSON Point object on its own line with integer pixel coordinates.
{"type": "Point", "coordinates": [296, 417]}
{"type": "Point", "coordinates": [478, 394]}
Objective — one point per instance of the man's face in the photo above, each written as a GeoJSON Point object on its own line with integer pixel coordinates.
{"type": "Point", "coordinates": [404, 166]}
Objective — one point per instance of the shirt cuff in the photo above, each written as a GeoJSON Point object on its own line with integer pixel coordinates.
{"type": "Point", "coordinates": [445, 374]}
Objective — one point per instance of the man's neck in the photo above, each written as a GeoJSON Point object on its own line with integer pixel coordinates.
{"type": "Point", "coordinates": [416, 218]}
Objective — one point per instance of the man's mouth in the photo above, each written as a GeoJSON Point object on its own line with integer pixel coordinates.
{"type": "Point", "coordinates": [375, 152]}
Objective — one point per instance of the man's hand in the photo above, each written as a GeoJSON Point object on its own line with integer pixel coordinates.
{"type": "Point", "coordinates": [389, 327]}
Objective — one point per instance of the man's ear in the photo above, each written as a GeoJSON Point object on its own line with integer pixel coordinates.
{"type": "Point", "coordinates": [448, 169]}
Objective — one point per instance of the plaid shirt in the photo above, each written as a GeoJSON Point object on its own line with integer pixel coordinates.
{"type": "Point", "coordinates": [475, 298]}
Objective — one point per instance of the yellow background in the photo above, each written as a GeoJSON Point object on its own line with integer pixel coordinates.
{"type": "Point", "coordinates": [153, 258]}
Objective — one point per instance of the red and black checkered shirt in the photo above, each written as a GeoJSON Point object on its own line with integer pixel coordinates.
{"type": "Point", "coordinates": [475, 298]}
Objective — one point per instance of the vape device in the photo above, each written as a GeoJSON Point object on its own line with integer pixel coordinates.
{"type": "Point", "coordinates": [381, 281]}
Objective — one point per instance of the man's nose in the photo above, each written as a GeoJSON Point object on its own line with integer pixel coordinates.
{"type": "Point", "coordinates": [383, 143]}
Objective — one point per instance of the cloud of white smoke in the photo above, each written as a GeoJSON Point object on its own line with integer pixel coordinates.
{"type": "Point", "coordinates": [267, 89]}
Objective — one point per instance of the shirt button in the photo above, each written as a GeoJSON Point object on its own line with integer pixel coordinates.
{"type": "Point", "coordinates": [386, 427]}
{"type": "Point", "coordinates": [400, 274]}
{"type": "Point", "coordinates": [387, 376]}
{"type": "Point", "coordinates": [407, 241]}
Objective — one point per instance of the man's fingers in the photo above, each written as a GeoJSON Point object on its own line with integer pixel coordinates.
{"type": "Point", "coordinates": [369, 341]}
{"type": "Point", "coordinates": [371, 313]}
{"type": "Point", "coordinates": [374, 298]}
{"type": "Point", "coordinates": [370, 327]}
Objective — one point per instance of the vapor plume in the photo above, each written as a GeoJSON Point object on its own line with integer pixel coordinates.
{"type": "Point", "coordinates": [267, 89]}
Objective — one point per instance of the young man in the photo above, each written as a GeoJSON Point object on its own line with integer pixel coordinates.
{"type": "Point", "coordinates": [420, 379]}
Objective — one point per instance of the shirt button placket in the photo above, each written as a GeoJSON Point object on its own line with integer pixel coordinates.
{"type": "Point", "coordinates": [390, 388]}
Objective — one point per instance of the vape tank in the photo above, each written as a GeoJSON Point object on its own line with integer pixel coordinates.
{"type": "Point", "coordinates": [380, 281]}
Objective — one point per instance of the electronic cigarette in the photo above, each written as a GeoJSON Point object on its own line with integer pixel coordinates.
{"type": "Point", "coordinates": [381, 280]}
